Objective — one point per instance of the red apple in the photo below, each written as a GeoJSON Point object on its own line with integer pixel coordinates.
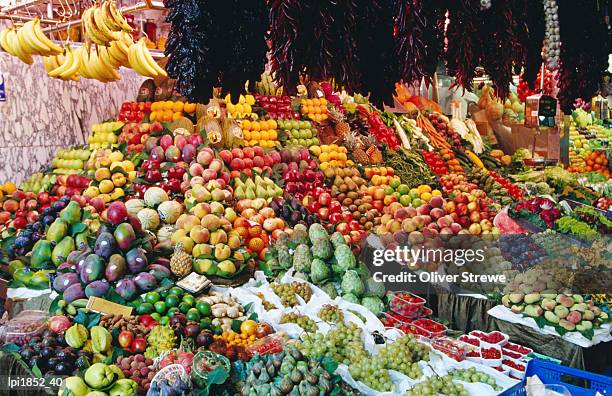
{"type": "Point", "coordinates": [98, 204]}
{"type": "Point", "coordinates": [325, 199]}
{"type": "Point", "coordinates": [116, 212]}
{"type": "Point", "coordinates": [323, 213]}
{"type": "Point", "coordinates": [226, 156]}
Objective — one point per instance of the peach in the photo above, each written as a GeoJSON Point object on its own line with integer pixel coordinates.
{"type": "Point", "coordinates": [437, 213]}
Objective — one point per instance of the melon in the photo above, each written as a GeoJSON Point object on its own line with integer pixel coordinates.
{"type": "Point", "coordinates": [149, 219]}
{"type": "Point", "coordinates": [155, 196]}
{"type": "Point", "coordinates": [169, 211]}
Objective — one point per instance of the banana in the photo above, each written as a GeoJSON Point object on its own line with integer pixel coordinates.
{"type": "Point", "coordinates": [98, 14]}
{"type": "Point", "coordinates": [104, 55]}
{"type": "Point", "coordinates": [26, 43]}
{"type": "Point", "coordinates": [40, 35]}
{"type": "Point", "coordinates": [134, 64]}
{"type": "Point", "coordinates": [117, 17]}
{"type": "Point", "coordinates": [55, 73]}
{"type": "Point", "coordinates": [4, 42]}
{"type": "Point", "coordinates": [91, 29]}
{"type": "Point", "coordinates": [50, 63]}
{"type": "Point", "coordinates": [116, 54]}
{"type": "Point", "coordinates": [148, 60]}
{"type": "Point", "coordinates": [84, 63]}
{"type": "Point", "coordinates": [102, 71]}
{"type": "Point", "coordinates": [109, 19]}
{"type": "Point", "coordinates": [13, 41]}
{"type": "Point", "coordinates": [73, 68]}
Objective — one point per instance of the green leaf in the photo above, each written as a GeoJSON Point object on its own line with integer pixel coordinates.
{"type": "Point", "coordinates": [77, 228]}
{"type": "Point", "coordinates": [81, 318]}
{"type": "Point", "coordinates": [86, 215]}
{"type": "Point", "coordinates": [254, 316]}
{"type": "Point", "coordinates": [560, 330]}
{"type": "Point", "coordinates": [11, 347]}
{"type": "Point", "coordinates": [541, 322]}
{"type": "Point", "coordinates": [114, 297]}
{"type": "Point", "coordinates": [588, 333]}
{"type": "Point", "coordinates": [94, 319]}
{"type": "Point", "coordinates": [36, 371]}
{"type": "Point", "coordinates": [166, 283]}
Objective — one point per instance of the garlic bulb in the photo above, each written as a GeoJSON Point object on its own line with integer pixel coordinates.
{"type": "Point", "coordinates": [552, 40]}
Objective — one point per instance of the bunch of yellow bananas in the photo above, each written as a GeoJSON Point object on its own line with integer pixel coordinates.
{"type": "Point", "coordinates": [142, 62]}
{"type": "Point", "coordinates": [103, 23]}
{"type": "Point", "coordinates": [64, 66]}
{"type": "Point", "coordinates": [28, 40]}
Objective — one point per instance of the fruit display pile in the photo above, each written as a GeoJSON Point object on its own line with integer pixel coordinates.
{"type": "Point", "coordinates": [273, 200]}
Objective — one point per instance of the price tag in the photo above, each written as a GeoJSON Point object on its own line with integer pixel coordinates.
{"type": "Point", "coordinates": [2, 89]}
{"type": "Point", "coordinates": [106, 307]}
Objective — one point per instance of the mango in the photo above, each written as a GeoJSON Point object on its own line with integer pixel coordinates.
{"type": "Point", "coordinates": [516, 298]}
{"type": "Point", "coordinates": [136, 260]}
{"type": "Point", "coordinates": [202, 266]}
{"type": "Point", "coordinates": [551, 317]}
{"type": "Point", "coordinates": [126, 288]}
{"type": "Point", "coordinates": [534, 311]}
{"type": "Point", "coordinates": [105, 245]}
{"type": "Point", "coordinates": [574, 316]}
{"type": "Point", "coordinates": [532, 298]}
{"type": "Point", "coordinates": [218, 236]}
{"type": "Point", "coordinates": [124, 235]}
{"type": "Point", "coordinates": [116, 268]}
{"type": "Point", "coordinates": [57, 231]}
{"type": "Point", "coordinates": [92, 269]}
{"type": "Point", "coordinates": [145, 281]}
{"type": "Point", "coordinates": [548, 304]}
{"type": "Point", "coordinates": [569, 326]}
{"type": "Point", "coordinates": [222, 252]}
{"type": "Point", "coordinates": [63, 281]}
{"type": "Point", "coordinates": [97, 288]}
{"type": "Point", "coordinates": [580, 307]}
{"type": "Point", "coordinates": [81, 239]}
{"type": "Point", "coordinates": [226, 266]}
{"type": "Point", "coordinates": [62, 250]}
{"type": "Point", "coordinates": [71, 213]}
{"type": "Point", "coordinates": [588, 315]}
{"type": "Point", "coordinates": [159, 272]}
{"type": "Point", "coordinates": [73, 292]}
{"type": "Point", "coordinates": [41, 253]}
{"type": "Point", "coordinates": [561, 311]}
{"type": "Point", "coordinates": [564, 300]}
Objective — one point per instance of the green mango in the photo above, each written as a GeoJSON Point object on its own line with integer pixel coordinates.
{"type": "Point", "coordinates": [71, 213]}
{"type": "Point", "coordinates": [57, 230]}
{"type": "Point", "coordinates": [62, 250]}
{"type": "Point", "coordinates": [14, 265]}
{"type": "Point", "coordinates": [39, 279]}
{"type": "Point", "coordinates": [41, 253]}
{"type": "Point", "coordinates": [81, 239]}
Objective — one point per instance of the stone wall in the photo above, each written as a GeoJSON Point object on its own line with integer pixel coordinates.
{"type": "Point", "coordinates": [42, 114]}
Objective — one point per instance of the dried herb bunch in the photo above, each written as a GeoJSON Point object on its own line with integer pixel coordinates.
{"type": "Point", "coordinates": [584, 51]}
{"type": "Point", "coordinates": [215, 43]}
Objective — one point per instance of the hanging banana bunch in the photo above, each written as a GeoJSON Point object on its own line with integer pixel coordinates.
{"type": "Point", "coordinates": [142, 62]}
{"type": "Point", "coordinates": [64, 66]}
{"type": "Point", "coordinates": [96, 64]}
{"type": "Point", "coordinates": [28, 40]}
{"type": "Point", "coordinates": [104, 23]}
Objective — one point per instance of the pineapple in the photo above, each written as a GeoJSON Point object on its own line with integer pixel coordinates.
{"type": "Point", "coordinates": [180, 263]}
{"type": "Point", "coordinates": [361, 156]}
{"type": "Point", "coordinates": [353, 143]}
{"type": "Point", "coordinates": [337, 117]}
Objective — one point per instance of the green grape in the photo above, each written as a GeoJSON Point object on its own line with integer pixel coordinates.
{"type": "Point", "coordinates": [331, 313]}
{"type": "Point", "coordinates": [303, 321]}
{"type": "Point", "coordinates": [473, 375]}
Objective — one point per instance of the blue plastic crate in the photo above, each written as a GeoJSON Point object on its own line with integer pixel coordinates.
{"type": "Point", "coordinates": [550, 373]}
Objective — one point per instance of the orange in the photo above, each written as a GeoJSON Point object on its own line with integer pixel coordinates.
{"type": "Point", "coordinates": [189, 107]}
{"type": "Point", "coordinates": [9, 187]}
{"type": "Point", "coordinates": [153, 116]}
{"type": "Point", "coordinates": [176, 116]}
{"type": "Point", "coordinates": [178, 107]}
{"type": "Point", "coordinates": [167, 115]}
{"type": "Point", "coordinates": [423, 189]}
{"type": "Point", "coordinates": [168, 105]}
